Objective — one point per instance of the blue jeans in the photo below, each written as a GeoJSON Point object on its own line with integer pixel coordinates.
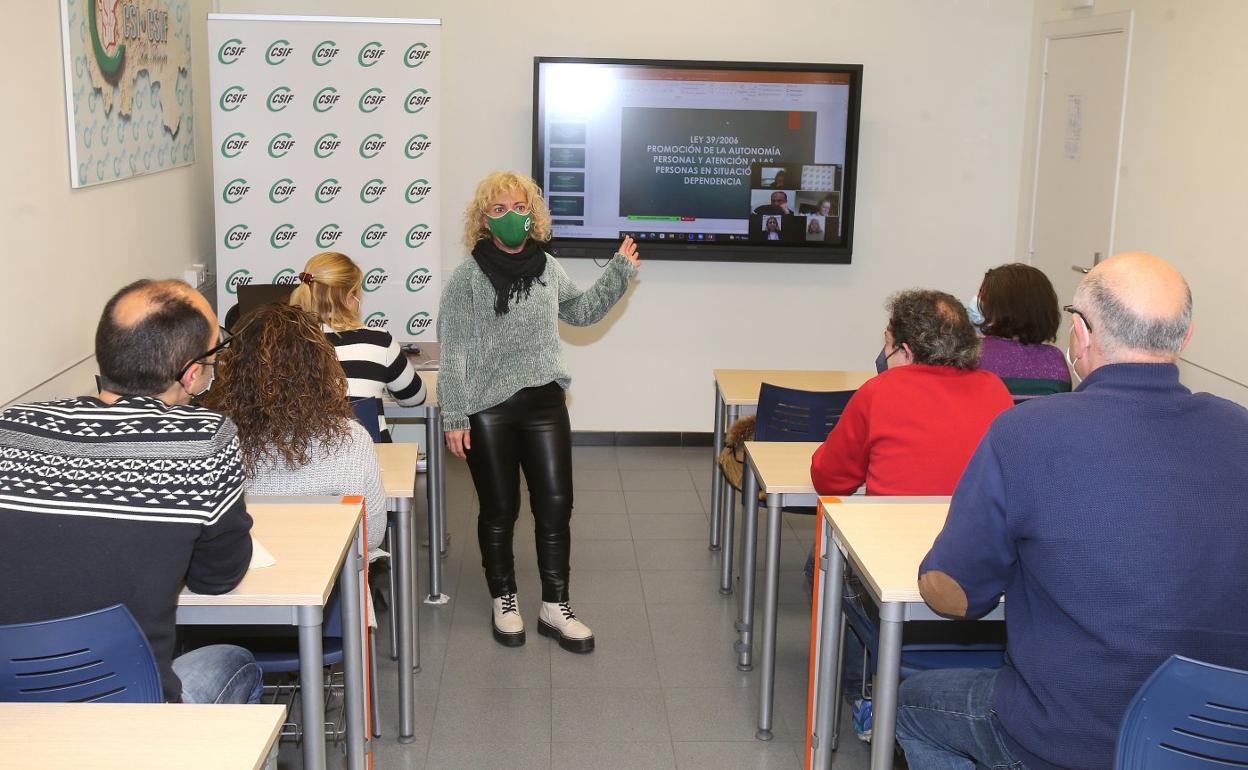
{"type": "Point", "coordinates": [219, 673]}
{"type": "Point", "coordinates": [945, 721]}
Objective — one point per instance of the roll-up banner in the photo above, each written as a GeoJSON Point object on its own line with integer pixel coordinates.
{"type": "Point", "coordinates": [325, 137]}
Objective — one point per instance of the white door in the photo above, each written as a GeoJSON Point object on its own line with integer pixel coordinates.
{"type": "Point", "coordinates": [1077, 154]}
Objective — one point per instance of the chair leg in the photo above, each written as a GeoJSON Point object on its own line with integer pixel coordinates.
{"type": "Point", "coordinates": [374, 700]}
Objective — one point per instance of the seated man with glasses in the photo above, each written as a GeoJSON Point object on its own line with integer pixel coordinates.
{"type": "Point", "coordinates": [1114, 520]}
{"type": "Point", "coordinates": [127, 496]}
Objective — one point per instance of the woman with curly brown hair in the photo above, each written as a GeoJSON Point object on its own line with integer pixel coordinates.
{"type": "Point", "coordinates": [281, 384]}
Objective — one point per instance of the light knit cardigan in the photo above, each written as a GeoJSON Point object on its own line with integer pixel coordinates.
{"type": "Point", "coordinates": [488, 358]}
{"type": "Point", "coordinates": [349, 468]}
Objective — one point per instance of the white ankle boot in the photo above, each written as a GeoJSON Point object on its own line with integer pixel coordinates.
{"type": "Point", "coordinates": [559, 622]}
{"type": "Point", "coordinates": [508, 625]}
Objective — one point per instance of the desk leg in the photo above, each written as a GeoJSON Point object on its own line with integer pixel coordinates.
{"type": "Point", "coordinates": [717, 489]}
{"type": "Point", "coordinates": [887, 678]}
{"type": "Point", "coordinates": [771, 597]}
{"type": "Point", "coordinates": [439, 485]}
{"type": "Point", "coordinates": [828, 659]}
{"type": "Point", "coordinates": [312, 686]}
{"type": "Point", "coordinates": [408, 621]}
{"type": "Point", "coordinates": [728, 527]}
{"type": "Point", "coordinates": [724, 509]}
{"type": "Point", "coordinates": [434, 458]}
{"type": "Point", "coordinates": [748, 561]}
{"type": "Point", "coordinates": [352, 654]}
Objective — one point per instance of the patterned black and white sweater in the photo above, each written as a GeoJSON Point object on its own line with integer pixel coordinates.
{"type": "Point", "coordinates": [125, 502]}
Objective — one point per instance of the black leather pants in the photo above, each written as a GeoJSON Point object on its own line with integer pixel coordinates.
{"type": "Point", "coordinates": [530, 430]}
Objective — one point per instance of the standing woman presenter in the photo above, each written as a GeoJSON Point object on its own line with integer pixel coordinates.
{"type": "Point", "coordinates": [501, 390]}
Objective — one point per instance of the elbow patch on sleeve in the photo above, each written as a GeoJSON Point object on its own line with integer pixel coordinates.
{"type": "Point", "coordinates": [943, 594]}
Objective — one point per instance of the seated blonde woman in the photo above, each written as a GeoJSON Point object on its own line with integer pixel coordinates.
{"type": "Point", "coordinates": [280, 382]}
{"type": "Point", "coordinates": [330, 288]}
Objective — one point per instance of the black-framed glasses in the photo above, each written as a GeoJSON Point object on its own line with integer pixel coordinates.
{"type": "Point", "coordinates": [224, 338]}
{"type": "Point", "coordinates": [1076, 311]}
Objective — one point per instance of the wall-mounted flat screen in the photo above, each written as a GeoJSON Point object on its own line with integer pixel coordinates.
{"type": "Point", "coordinates": [699, 161]}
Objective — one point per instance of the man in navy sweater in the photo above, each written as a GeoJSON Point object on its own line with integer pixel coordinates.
{"type": "Point", "coordinates": [1115, 521]}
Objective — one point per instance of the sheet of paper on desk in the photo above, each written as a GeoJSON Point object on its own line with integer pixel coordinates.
{"type": "Point", "coordinates": [260, 556]}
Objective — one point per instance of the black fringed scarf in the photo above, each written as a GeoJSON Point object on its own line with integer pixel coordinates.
{"type": "Point", "coordinates": [511, 275]}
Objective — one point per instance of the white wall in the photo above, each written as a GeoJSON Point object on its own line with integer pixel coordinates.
{"type": "Point", "coordinates": [65, 251]}
{"type": "Point", "coordinates": [1183, 190]}
{"type": "Point", "coordinates": [942, 109]}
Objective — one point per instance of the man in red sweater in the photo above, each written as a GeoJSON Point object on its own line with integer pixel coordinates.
{"type": "Point", "coordinates": [912, 429]}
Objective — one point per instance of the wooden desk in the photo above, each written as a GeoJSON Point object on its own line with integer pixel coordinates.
{"type": "Point", "coordinates": [738, 388]}
{"type": "Point", "coordinates": [435, 487]}
{"type": "Point", "coordinates": [781, 470]}
{"type": "Point", "coordinates": [885, 545]}
{"type": "Point", "coordinates": [312, 544]}
{"type": "Point", "coordinates": [132, 736]}
{"type": "Point", "coordinates": [429, 357]}
{"type": "Point", "coordinates": [398, 475]}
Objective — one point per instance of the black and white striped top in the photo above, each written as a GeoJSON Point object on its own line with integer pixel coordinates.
{"type": "Point", "coordinates": [374, 364]}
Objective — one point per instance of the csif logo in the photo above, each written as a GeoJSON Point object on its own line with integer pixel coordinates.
{"type": "Point", "coordinates": [279, 99]}
{"type": "Point", "coordinates": [417, 100]}
{"type": "Point", "coordinates": [234, 190]}
{"type": "Point", "coordinates": [324, 52]}
{"type": "Point", "coordinates": [373, 235]}
{"type": "Point", "coordinates": [327, 145]}
{"type": "Point", "coordinates": [234, 144]}
{"type": "Point", "coordinates": [371, 99]}
{"type": "Point", "coordinates": [373, 279]}
{"type": "Point", "coordinates": [372, 145]}
{"type": "Point", "coordinates": [230, 50]}
{"type": "Point", "coordinates": [278, 51]}
{"type": "Point", "coordinates": [281, 144]}
{"type": "Point", "coordinates": [371, 53]}
{"type": "Point", "coordinates": [236, 236]}
{"type": "Point", "coordinates": [232, 98]}
{"type": "Point", "coordinates": [418, 279]}
{"type": "Point", "coordinates": [417, 190]}
{"type": "Point", "coordinates": [416, 55]}
{"type": "Point", "coordinates": [328, 235]}
{"type": "Point", "coordinates": [372, 191]}
{"type": "Point", "coordinates": [325, 99]}
{"type": "Point", "coordinates": [282, 236]}
{"type": "Point", "coordinates": [236, 279]}
{"type": "Point", "coordinates": [419, 323]}
{"type": "Point", "coordinates": [327, 190]}
{"type": "Point", "coordinates": [285, 277]}
{"type": "Point", "coordinates": [281, 190]}
{"type": "Point", "coordinates": [417, 146]}
{"type": "Point", "coordinates": [418, 236]}
{"type": "Point", "coordinates": [376, 320]}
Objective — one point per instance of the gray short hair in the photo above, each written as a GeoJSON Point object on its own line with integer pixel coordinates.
{"type": "Point", "coordinates": [1121, 327]}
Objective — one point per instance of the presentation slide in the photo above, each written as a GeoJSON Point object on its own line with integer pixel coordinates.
{"type": "Point", "coordinates": [692, 154]}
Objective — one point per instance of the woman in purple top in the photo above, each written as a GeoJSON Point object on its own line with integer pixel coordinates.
{"type": "Point", "coordinates": [1021, 315]}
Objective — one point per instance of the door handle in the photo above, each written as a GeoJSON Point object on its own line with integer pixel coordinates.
{"type": "Point", "coordinates": [1096, 260]}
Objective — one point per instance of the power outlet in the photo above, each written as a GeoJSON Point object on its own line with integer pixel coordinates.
{"type": "Point", "coordinates": [196, 275]}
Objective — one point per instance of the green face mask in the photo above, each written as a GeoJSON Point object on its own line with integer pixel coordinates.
{"type": "Point", "coordinates": [511, 228]}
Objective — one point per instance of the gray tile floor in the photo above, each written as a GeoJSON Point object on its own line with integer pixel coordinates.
{"type": "Point", "coordinates": [660, 691]}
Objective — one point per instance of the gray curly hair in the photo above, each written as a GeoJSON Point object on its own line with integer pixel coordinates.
{"type": "Point", "coordinates": [935, 326]}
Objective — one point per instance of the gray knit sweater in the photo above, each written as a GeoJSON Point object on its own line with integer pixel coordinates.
{"type": "Point", "coordinates": [350, 468]}
{"type": "Point", "coordinates": [486, 358]}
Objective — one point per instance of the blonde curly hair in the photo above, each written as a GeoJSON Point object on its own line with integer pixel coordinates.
{"type": "Point", "coordinates": [497, 184]}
